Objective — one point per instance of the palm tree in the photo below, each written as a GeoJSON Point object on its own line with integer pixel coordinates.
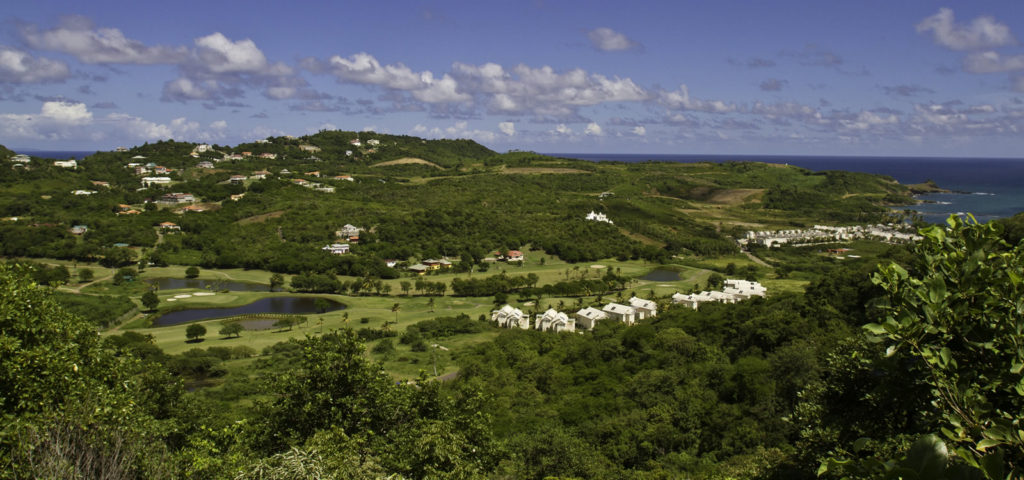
{"type": "Point", "coordinates": [430, 304]}
{"type": "Point", "coordinates": [396, 308]}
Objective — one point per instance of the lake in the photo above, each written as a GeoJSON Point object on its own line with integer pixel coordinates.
{"type": "Point", "coordinates": [661, 275]}
{"type": "Point", "coordinates": [292, 305]}
{"type": "Point", "coordinates": [217, 285]}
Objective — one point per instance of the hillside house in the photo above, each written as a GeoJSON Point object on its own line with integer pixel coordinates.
{"type": "Point", "coordinates": [373, 142]}
{"type": "Point", "coordinates": [83, 192]}
{"type": "Point", "coordinates": [269, 156]}
{"type": "Point", "coordinates": [510, 317]}
{"type": "Point", "coordinates": [204, 164]}
{"type": "Point", "coordinates": [598, 217]}
{"type": "Point", "coordinates": [260, 174]}
{"type": "Point", "coordinates": [79, 229]}
{"type": "Point", "coordinates": [434, 264]}
{"type": "Point", "coordinates": [65, 163]}
{"type": "Point", "coordinates": [237, 179]}
{"type": "Point", "coordinates": [201, 148]}
{"type": "Point", "coordinates": [233, 156]}
{"type": "Point", "coordinates": [162, 170]}
{"type": "Point", "coordinates": [419, 269]}
{"type": "Point", "coordinates": [743, 289]}
{"type": "Point", "coordinates": [98, 183]}
{"type": "Point", "coordinates": [21, 158]}
{"type": "Point", "coordinates": [309, 148]}
{"type": "Point", "coordinates": [147, 181]}
{"type": "Point", "coordinates": [622, 313]}
{"type": "Point", "coordinates": [177, 198]}
{"type": "Point", "coordinates": [169, 226]}
{"type": "Point", "coordinates": [336, 248]}
{"type": "Point", "coordinates": [554, 321]}
{"type": "Point", "coordinates": [515, 256]}
{"type": "Point", "coordinates": [236, 197]}
{"type": "Point", "coordinates": [347, 178]}
{"type": "Point", "coordinates": [644, 308]}
{"type": "Point", "coordinates": [193, 209]}
{"type": "Point", "coordinates": [588, 317]}
{"type": "Point", "coordinates": [315, 173]}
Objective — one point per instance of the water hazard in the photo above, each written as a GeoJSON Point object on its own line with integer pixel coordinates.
{"type": "Point", "coordinates": [661, 275]}
{"type": "Point", "coordinates": [292, 305]}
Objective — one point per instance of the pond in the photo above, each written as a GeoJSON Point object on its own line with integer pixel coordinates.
{"type": "Point", "coordinates": [661, 275]}
{"type": "Point", "coordinates": [294, 305]}
{"type": "Point", "coordinates": [216, 285]}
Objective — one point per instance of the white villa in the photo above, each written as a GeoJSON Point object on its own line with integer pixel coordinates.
{"type": "Point", "coordinates": [734, 291]}
{"type": "Point", "coordinates": [147, 181]}
{"type": "Point", "coordinates": [336, 248]}
{"type": "Point", "coordinates": [348, 231]}
{"type": "Point", "coordinates": [622, 313]}
{"type": "Point", "coordinates": [598, 217]}
{"type": "Point", "coordinates": [510, 317]}
{"type": "Point", "coordinates": [644, 308]}
{"type": "Point", "coordinates": [21, 158]}
{"type": "Point", "coordinates": [65, 163]}
{"type": "Point", "coordinates": [555, 321]}
{"type": "Point", "coordinates": [589, 316]}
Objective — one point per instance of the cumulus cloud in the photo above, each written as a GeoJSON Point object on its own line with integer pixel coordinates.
{"type": "Point", "coordinates": [593, 129]}
{"type": "Point", "coordinates": [77, 36]}
{"type": "Point", "coordinates": [542, 91]}
{"type": "Point", "coordinates": [17, 66]}
{"type": "Point", "coordinates": [982, 32]}
{"type": "Point", "coordinates": [220, 55]}
{"type": "Point", "coordinates": [639, 130]}
{"type": "Point", "coordinates": [680, 100]}
{"type": "Point", "coordinates": [992, 62]}
{"type": "Point", "coordinates": [562, 129]}
{"type": "Point", "coordinates": [508, 128]}
{"type": "Point", "coordinates": [608, 40]}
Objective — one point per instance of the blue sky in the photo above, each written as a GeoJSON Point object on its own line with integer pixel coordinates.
{"type": "Point", "coordinates": [914, 77]}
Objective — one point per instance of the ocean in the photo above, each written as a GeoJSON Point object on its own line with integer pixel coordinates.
{"type": "Point", "coordinates": [992, 187]}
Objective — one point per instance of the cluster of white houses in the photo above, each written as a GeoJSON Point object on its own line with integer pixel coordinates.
{"type": "Point", "coordinates": [822, 233]}
{"type": "Point", "coordinates": [598, 217]}
{"type": "Point", "coordinates": [555, 321]}
{"type": "Point", "coordinates": [734, 291]}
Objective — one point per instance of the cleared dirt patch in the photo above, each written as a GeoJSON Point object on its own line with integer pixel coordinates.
{"type": "Point", "coordinates": [407, 161]}
{"type": "Point", "coordinates": [735, 196]}
{"type": "Point", "coordinates": [260, 218]}
{"type": "Point", "coordinates": [540, 170]}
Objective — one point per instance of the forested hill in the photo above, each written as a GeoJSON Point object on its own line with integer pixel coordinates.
{"type": "Point", "coordinates": [5, 152]}
{"type": "Point", "coordinates": [274, 204]}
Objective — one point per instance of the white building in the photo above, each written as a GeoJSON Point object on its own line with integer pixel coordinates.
{"type": "Point", "coordinates": [622, 313]}
{"type": "Point", "coordinates": [65, 163]}
{"type": "Point", "coordinates": [644, 308]}
{"type": "Point", "coordinates": [598, 217]}
{"type": "Point", "coordinates": [336, 248]}
{"type": "Point", "coordinates": [743, 289]}
{"type": "Point", "coordinates": [147, 181]}
{"type": "Point", "coordinates": [588, 317]}
{"type": "Point", "coordinates": [21, 158]}
{"type": "Point", "coordinates": [734, 291]}
{"type": "Point", "coordinates": [510, 317]}
{"type": "Point", "coordinates": [555, 321]}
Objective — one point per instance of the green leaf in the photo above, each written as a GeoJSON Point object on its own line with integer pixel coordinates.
{"type": "Point", "coordinates": [944, 354]}
{"type": "Point", "coordinates": [875, 328]}
{"type": "Point", "coordinates": [988, 443]}
{"type": "Point", "coordinates": [860, 443]}
{"type": "Point", "coordinates": [927, 457]}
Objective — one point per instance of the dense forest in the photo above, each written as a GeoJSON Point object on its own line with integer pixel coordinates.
{"type": "Point", "coordinates": [853, 378]}
{"type": "Point", "coordinates": [906, 364]}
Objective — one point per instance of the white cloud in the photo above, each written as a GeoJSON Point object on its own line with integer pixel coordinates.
{"type": "Point", "coordinates": [680, 100]}
{"type": "Point", "coordinates": [77, 36]}
{"type": "Point", "coordinates": [17, 66]}
{"type": "Point", "coordinates": [220, 55]}
{"type": "Point", "coordinates": [982, 32]}
{"type": "Point", "coordinates": [67, 113]}
{"type": "Point", "coordinates": [219, 125]}
{"type": "Point", "coordinates": [419, 128]}
{"type": "Point", "coordinates": [73, 122]}
{"type": "Point", "coordinates": [992, 62]}
{"type": "Point", "coordinates": [508, 128]}
{"type": "Point", "coordinates": [639, 130]}
{"type": "Point", "coordinates": [562, 129]}
{"type": "Point", "coordinates": [608, 40]}
{"type": "Point", "coordinates": [593, 129]}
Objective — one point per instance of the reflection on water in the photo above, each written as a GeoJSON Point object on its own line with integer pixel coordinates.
{"type": "Point", "coordinates": [294, 305]}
